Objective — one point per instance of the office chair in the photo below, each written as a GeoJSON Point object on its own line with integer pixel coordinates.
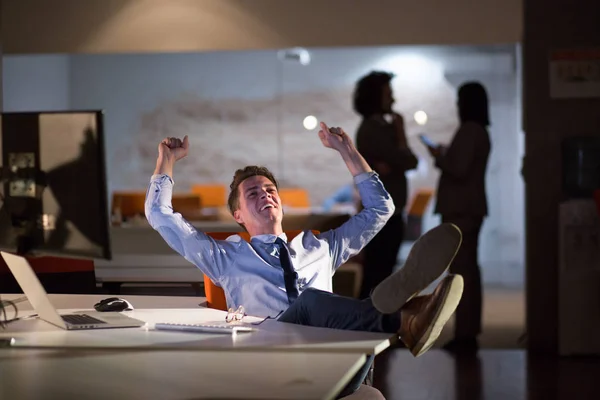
{"type": "Point", "coordinates": [215, 296]}
{"type": "Point", "coordinates": [214, 195]}
{"type": "Point", "coordinates": [414, 215]}
{"type": "Point", "coordinates": [294, 197]}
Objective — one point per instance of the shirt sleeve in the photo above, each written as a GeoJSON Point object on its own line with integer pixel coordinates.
{"type": "Point", "coordinates": [206, 253]}
{"type": "Point", "coordinates": [352, 236]}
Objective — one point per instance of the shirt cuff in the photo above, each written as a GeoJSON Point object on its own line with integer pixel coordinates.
{"type": "Point", "coordinates": [363, 177]}
{"type": "Point", "coordinates": [161, 177]}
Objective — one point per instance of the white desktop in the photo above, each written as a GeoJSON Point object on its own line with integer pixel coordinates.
{"type": "Point", "coordinates": [278, 361]}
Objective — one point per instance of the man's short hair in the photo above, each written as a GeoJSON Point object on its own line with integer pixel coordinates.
{"type": "Point", "coordinates": [368, 93]}
{"type": "Point", "coordinates": [241, 175]}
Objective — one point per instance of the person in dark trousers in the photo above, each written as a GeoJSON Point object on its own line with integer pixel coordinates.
{"type": "Point", "coordinates": [271, 276]}
{"type": "Point", "coordinates": [384, 146]}
{"type": "Point", "coordinates": [461, 200]}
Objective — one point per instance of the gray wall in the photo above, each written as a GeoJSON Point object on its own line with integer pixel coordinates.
{"type": "Point", "coordinates": [36, 83]}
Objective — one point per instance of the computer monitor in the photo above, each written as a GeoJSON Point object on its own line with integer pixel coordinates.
{"type": "Point", "coordinates": [53, 195]}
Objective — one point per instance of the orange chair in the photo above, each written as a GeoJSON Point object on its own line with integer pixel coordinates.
{"type": "Point", "coordinates": [211, 195]}
{"type": "Point", "coordinates": [128, 204]}
{"type": "Point", "coordinates": [294, 197]}
{"type": "Point", "coordinates": [414, 215]}
{"type": "Point", "coordinates": [215, 296]}
{"type": "Point", "coordinates": [187, 204]}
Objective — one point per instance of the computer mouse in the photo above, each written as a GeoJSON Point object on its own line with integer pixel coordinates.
{"type": "Point", "coordinates": [113, 304]}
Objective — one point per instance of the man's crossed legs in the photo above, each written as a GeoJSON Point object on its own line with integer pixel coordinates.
{"type": "Point", "coordinates": [394, 305]}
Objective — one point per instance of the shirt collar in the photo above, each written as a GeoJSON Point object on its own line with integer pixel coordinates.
{"type": "Point", "coordinates": [269, 238]}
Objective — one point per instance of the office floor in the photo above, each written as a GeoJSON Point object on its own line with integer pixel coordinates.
{"type": "Point", "coordinates": [493, 375]}
{"type": "Point", "coordinates": [501, 371]}
{"type": "Point", "coordinates": [503, 319]}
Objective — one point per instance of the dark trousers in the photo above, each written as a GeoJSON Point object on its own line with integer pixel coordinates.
{"type": "Point", "coordinates": [468, 313]}
{"type": "Point", "coordinates": [327, 310]}
{"type": "Point", "coordinates": [381, 254]}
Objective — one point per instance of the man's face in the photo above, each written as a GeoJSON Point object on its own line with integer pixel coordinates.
{"type": "Point", "coordinates": [387, 99]}
{"type": "Point", "coordinates": [260, 207]}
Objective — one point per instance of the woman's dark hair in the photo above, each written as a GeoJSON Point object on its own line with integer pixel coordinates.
{"type": "Point", "coordinates": [473, 104]}
{"type": "Point", "coordinates": [368, 93]}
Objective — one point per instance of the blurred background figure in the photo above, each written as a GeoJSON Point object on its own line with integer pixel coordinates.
{"type": "Point", "coordinates": [345, 199]}
{"type": "Point", "coordinates": [381, 140]}
{"type": "Point", "coordinates": [461, 200]}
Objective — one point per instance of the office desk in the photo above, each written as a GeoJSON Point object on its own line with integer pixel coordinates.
{"type": "Point", "coordinates": [54, 374]}
{"type": "Point", "coordinates": [271, 335]}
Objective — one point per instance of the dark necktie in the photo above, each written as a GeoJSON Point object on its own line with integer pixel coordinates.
{"type": "Point", "coordinates": [290, 276]}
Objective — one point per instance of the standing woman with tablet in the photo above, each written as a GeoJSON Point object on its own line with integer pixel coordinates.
{"type": "Point", "coordinates": [461, 200]}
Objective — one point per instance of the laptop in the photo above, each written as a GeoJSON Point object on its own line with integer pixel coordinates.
{"type": "Point", "coordinates": [37, 296]}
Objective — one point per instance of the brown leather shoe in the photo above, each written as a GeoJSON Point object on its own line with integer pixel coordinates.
{"type": "Point", "coordinates": [423, 317]}
{"type": "Point", "coordinates": [428, 259]}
